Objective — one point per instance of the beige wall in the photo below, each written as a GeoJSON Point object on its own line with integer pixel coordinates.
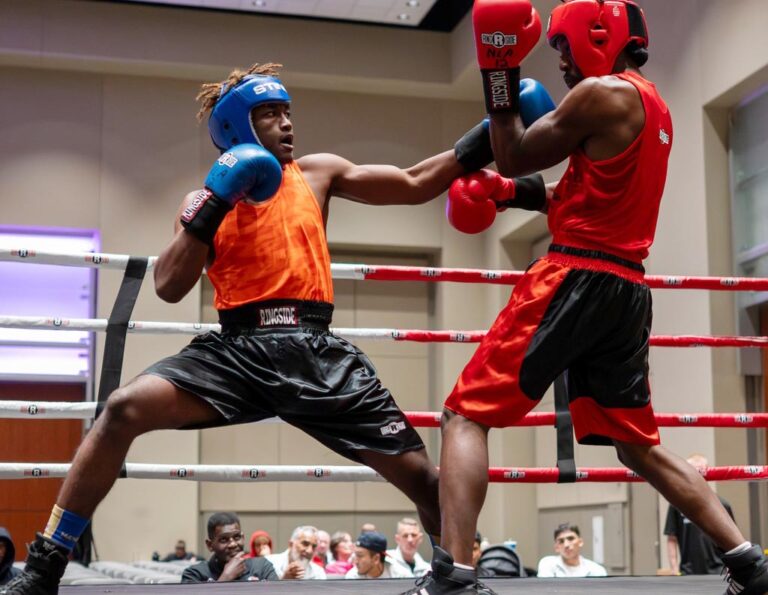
{"type": "Point", "coordinates": [98, 131]}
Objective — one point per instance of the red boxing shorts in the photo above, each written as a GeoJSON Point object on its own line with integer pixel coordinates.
{"type": "Point", "coordinates": [583, 311]}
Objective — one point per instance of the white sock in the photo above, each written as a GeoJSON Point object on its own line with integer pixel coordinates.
{"type": "Point", "coordinates": [463, 566]}
{"type": "Point", "coordinates": [739, 549]}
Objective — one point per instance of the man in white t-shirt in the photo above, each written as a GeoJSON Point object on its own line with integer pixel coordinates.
{"type": "Point", "coordinates": [296, 561]}
{"type": "Point", "coordinates": [569, 563]}
{"type": "Point", "coordinates": [408, 539]}
{"type": "Point", "coordinates": [371, 560]}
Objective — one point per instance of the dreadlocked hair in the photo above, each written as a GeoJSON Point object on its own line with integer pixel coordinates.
{"type": "Point", "coordinates": [211, 92]}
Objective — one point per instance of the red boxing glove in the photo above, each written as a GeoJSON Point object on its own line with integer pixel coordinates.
{"type": "Point", "coordinates": [471, 207]}
{"type": "Point", "coordinates": [505, 33]}
{"type": "Point", "coordinates": [474, 199]}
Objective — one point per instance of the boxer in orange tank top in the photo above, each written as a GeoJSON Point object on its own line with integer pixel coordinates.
{"type": "Point", "coordinates": [584, 308]}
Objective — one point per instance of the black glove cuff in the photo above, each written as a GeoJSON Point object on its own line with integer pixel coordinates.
{"type": "Point", "coordinates": [530, 194]}
{"type": "Point", "coordinates": [473, 150]}
{"type": "Point", "coordinates": [204, 215]}
{"type": "Point", "coordinates": [502, 90]}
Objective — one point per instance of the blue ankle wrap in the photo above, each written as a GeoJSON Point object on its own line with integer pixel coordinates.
{"type": "Point", "coordinates": [65, 528]}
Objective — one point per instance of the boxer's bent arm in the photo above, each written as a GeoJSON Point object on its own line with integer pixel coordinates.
{"type": "Point", "coordinates": [587, 110]}
{"type": "Point", "coordinates": [390, 185]}
{"type": "Point", "coordinates": [181, 263]}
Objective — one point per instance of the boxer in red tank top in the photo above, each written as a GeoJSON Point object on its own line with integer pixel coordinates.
{"type": "Point", "coordinates": [583, 308]}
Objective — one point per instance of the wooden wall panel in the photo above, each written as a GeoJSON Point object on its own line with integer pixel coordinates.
{"type": "Point", "coordinates": [26, 504]}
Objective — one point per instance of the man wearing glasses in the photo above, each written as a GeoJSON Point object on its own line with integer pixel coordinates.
{"type": "Point", "coordinates": [226, 542]}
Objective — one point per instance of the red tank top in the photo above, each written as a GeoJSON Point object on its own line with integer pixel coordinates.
{"type": "Point", "coordinates": [273, 250]}
{"type": "Point", "coordinates": [613, 205]}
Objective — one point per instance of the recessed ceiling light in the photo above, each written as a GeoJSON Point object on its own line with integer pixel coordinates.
{"type": "Point", "coordinates": [259, 3]}
{"type": "Point", "coordinates": [403, 17]}
{"type": "Point", "coordinates": [412, 3]}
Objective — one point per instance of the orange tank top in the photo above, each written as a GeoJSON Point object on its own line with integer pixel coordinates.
{"type": "Point", "coordinates": [273, 250]}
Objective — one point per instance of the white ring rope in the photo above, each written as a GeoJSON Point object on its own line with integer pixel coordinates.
{"type": "Point", "coordinates": [161, 328]}
{"type": "Point", "coordinates": [229, 473]}
{"type": "Point", "coordinates": [65, 410]}
{"type": "Point", "coordinates": [169, 328]}
{"type": "Point", "coordinates": [94, 260]}
{"type": "Point", "coordinates": [118, 262]}
{"type": "Point", "coordinates": [47, 410]}
{"type": "Point", "coordinates": [100, 325]}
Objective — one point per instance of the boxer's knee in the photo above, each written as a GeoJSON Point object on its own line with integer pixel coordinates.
{"type": "Point", "coordinates": [128, 411]}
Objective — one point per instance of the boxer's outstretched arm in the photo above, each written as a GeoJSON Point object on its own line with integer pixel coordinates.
{"type": "Point", "coordinates": [181, 263]}
{"type": "Point", "coordinates": [387, 184]}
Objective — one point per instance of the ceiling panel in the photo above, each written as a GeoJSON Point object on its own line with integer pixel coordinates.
{"type": "Point", "coordinates": [435, 15]}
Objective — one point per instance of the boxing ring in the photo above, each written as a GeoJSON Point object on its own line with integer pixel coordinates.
{"type": "Point", "coordinates": [24, 409]}
{"type": "Point", "coordinates": [683, 585]}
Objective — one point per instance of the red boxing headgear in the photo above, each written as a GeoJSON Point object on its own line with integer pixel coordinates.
{"type": "Point", "coordinates": [597, 31]}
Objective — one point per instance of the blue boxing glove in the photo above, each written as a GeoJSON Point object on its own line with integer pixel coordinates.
{"type": "Point", "coordinates": [535, 101]}
{"type": "Point", "coordinates": [246, 171]}
{"type": "Point", "coordinates": [473, 150]}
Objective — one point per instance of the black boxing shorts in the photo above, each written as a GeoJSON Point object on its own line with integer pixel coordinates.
{"type": "Point", "coordinates": [583, 311]}
{"type": "Point", "coordinates": [278, 358]}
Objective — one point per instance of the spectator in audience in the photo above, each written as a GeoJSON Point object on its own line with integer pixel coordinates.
{"type": "Point", "coordinates": [568, 562]}
{"type": "Point", "coordinates": [296, 562]}
{"type": "Point", "coordinates": [371, 560]}
{"type": "Point", "coordinates": [261, 545]}
{"type": "Point", "coordinates": [477, 551]}
{"type": "Point", "coordinates": [698, 554]}
{"type": "Point", "coordinates": [228, 562]}
{"type": "Point", "coordinates": [477, 548]}
{"type": "Point", "coordinates": [365, 527]}
{"type": "Point", "coordinates": [322, 553]}
{"type": "Point", "coordinates": [180, 553]}
{"type": "Point", "coordinates": [408, 538]}
{"type": "Point", "coordinates": [7, 556]}
{"type": "Point", "coordinates": [342, 549]}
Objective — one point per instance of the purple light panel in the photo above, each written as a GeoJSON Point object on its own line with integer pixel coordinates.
{"type": "Point", "coordinates": [48, 291]}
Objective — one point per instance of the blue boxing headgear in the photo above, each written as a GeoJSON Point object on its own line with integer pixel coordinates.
{"type": "Point", "coordinates": [230, 121]}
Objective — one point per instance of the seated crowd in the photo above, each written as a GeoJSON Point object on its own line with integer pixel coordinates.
{"type": "Point", "coordinates": [313, 554]}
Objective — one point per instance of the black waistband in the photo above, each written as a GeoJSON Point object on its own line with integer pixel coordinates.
{"type": "Point", "coordinates": [598, 255]}
{"type": "Point", "coordinates": [276, 313]}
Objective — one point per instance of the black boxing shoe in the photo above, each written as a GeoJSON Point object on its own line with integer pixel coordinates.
{"type": "Point", "coordinates": [46, 562]}
{"type": "Point", "coordinates": [445, 578]}
{"type": "Point", "coordinates": [747, 572]}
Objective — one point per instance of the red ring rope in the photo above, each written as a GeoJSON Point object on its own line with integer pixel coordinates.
{"type": "Point", "coordinates": [597, 474]}
{"type": "Point", "coordinates": [403, 273]}
{"type": "Point", "coordinates": [431, 419]}
{"type": "Point", "coordinates": [422, 336]}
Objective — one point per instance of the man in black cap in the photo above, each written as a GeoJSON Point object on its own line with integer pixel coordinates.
{"type": "Point", "coordinates": [371, 559]}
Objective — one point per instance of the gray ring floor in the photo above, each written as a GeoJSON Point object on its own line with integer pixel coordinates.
{"type": "Point", "coordinates": [700, 585]}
